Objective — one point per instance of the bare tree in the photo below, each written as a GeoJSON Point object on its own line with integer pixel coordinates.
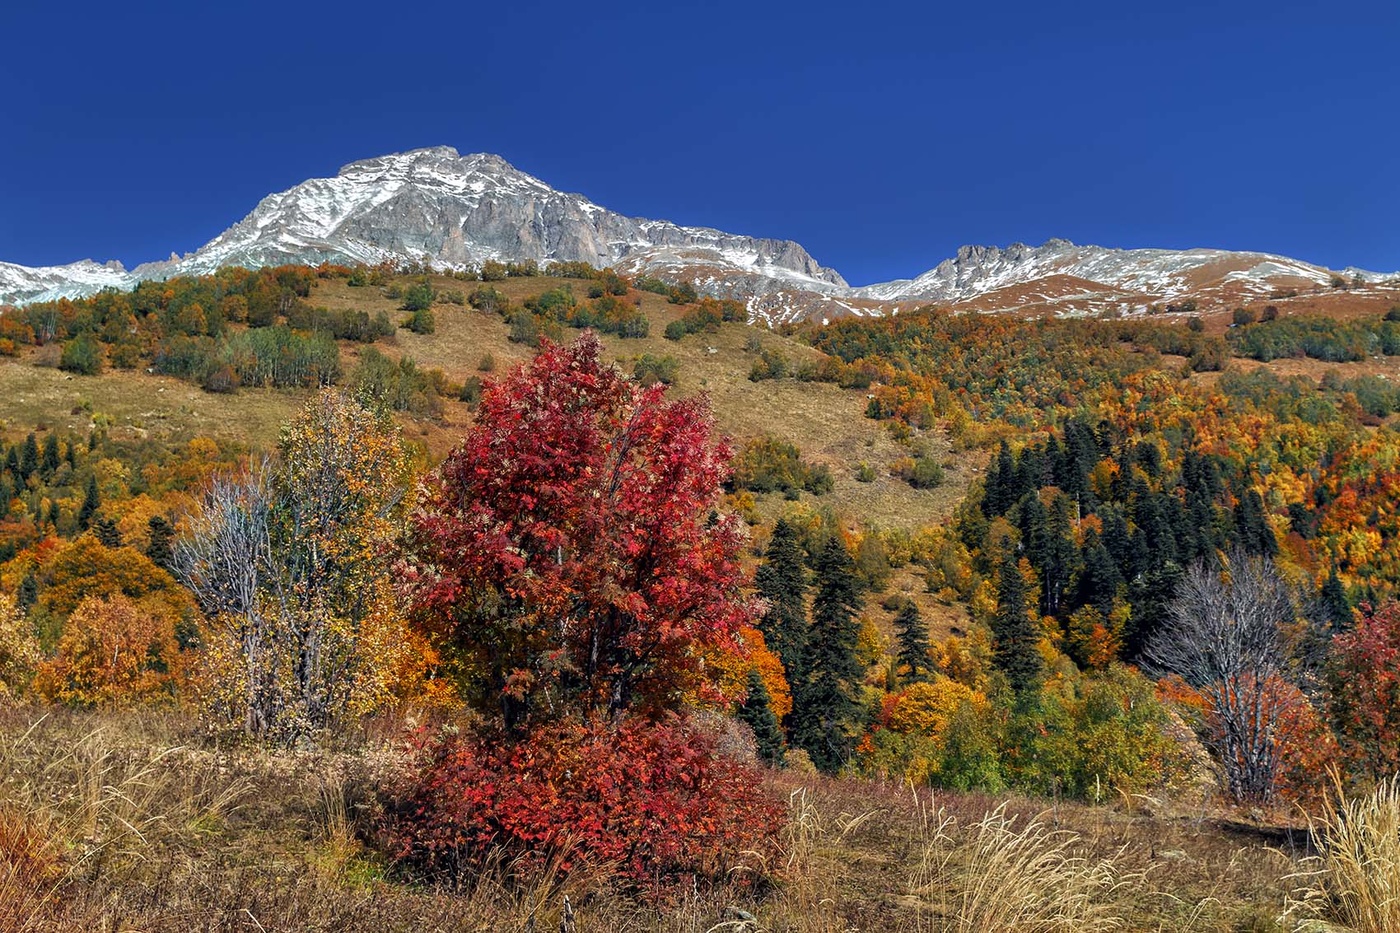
{"type": "Point", "coordinates": [1225, 638]}
{"type": "Point", "coordinates": [226, 559]}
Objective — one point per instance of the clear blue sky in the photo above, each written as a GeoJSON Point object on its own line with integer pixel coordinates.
{"type": "Point", "coordinates": [881, 136]}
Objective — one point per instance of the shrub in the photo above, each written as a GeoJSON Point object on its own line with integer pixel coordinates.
{"type": "Point", "coordinates": [649, 369]}
{"type": "Point", "coordinates": [768, 464]}
{"type": "Point", "coordinates": [654, 800]}
{"type": "Point", "coordinates": [1243, 317]}
{"type": "Point", "coordinates": [422, 321]}
{"type": "Point", "coordinates": [82, 355]}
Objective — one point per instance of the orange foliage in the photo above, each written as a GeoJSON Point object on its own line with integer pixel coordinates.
{"type": "Point", "coordinates": [114, 652]}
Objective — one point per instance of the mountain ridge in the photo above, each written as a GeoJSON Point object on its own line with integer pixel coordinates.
{"type": "Point", "coordinates": [452, 211]}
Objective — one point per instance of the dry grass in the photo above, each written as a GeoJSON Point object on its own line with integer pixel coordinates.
{"type": "Point", "coordinates": [1356, 878]}
{"type": "Point", "coordinates": [137, 821]}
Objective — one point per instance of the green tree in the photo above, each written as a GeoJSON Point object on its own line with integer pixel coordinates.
{"type": "Point", "coordinates": [158, 548]}
{"type": "Point", "coordinates": [29, 458]}
{"type": "Point", "coordinates": [826, 714]}
{"type": "Point", "coordinates": [1015, 641]}
{"type": "Point", "coordinates": [757, 712]}
{"type": "Point", "coordinates": [50, 458]}
{"type": "Point", "coordinates": [419, 296]}
{"type": "Point", "coordinates": [91, 503]}
{"type": "Point", "coordinates": [107, 532]}
{"type": "Point", "coordinates": [911, 633]}
{"type": "Point", "coordinates": [782, 583]}
{"type": "Point", "coordinates": [82, 355]}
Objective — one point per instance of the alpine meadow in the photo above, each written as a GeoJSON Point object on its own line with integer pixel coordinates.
{"type": "Point", "coordinates": [435, 549]}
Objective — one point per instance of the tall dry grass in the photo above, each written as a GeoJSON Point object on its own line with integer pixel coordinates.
{"type": "Point", "coordinates": [1355, 880]}
{"type": "Point", "coordinates": [998, 876]}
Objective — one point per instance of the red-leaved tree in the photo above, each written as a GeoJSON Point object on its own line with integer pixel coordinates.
{"type": "Point", "coordinates": [1364, 694]}
{"type": "Point", "coordinates": [569, 553]}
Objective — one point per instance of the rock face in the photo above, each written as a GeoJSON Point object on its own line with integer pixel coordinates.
{"type": "Point", "coordinates": [449, 210]}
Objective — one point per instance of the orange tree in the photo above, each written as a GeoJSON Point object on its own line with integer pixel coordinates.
{"type": "Point", "coordinates": [569, 553]}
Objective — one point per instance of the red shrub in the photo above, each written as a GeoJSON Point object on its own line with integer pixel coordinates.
{"type": "Point", "coordinates": [653, 800]}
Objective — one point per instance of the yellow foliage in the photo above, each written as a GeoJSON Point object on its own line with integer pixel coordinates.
{"type": "Point", "coordinates": [113, 652]}
{"type": "Point", "coordinates": [926, 708]}
{"type": "Point", "coordinates": [19, 651]}
{"type": "Point", "coordinates": [730, 671]}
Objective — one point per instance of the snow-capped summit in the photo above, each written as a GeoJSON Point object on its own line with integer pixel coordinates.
{"type": "Point", "coordinates": [449, 210]}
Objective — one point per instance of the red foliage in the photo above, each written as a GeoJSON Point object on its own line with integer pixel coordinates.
{"type": "Point", "coordinates": [569, 550]}
{"type": "Point", "coordinates": [654, 801]}
{"type": "Point", "coordinates": [1364, 701]}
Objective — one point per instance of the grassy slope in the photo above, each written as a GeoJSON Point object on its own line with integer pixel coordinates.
{"type": "Point", "coordinates": [138, 821]}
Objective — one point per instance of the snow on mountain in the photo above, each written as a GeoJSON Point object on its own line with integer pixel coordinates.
{"type": "Point", "coordinates": [1156, 274]}
{"type": "Point", "coordinates": [450, 211]}
{"type": "Point", "coordinates": [49, 283]}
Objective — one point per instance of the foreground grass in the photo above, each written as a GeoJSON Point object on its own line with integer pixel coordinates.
{"type": "Point", "coordinates": [137, 821]}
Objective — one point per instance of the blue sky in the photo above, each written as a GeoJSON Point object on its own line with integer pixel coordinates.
{"type": "Point", "coordinates": [881, 136]}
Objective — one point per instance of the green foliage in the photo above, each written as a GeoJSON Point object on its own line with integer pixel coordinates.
{"type": "Point", "coordinates": [1322, 338]}
{"type": "Point", "coordinates": [757, 713]}
{"type": "Point", "coordinates": [767, 464]}
{"type": "Point", "coordinates": [82, 355]}
{"type": "Point", "coordinates": [422, 321]}
{"type": "Point", "coordinates": [649, 369]}
{"type": "Point", "coordinates": [401, 386]}
{"type": "Point", "coordinates": [826, 712]}
{"type": "Point", "coordinates": [781, 581]}
{"type": "Point", "coordinates": [911, 636]}
{"type": "Point", "coordinates": [1015, 638]}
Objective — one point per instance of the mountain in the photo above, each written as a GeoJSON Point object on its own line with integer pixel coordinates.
{"type": "Point", "coordinates": [1094, 278]}
{"type": "Point", "coordinates": [450, 211]}
{"type": "Point", "coordinates": [439, 207]}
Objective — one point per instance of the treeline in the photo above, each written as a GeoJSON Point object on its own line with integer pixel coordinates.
{"type": "Point", "coordinates": [1322, 338]}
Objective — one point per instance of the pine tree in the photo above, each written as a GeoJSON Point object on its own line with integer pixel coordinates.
{"type": "Point", "coordinates": [1334, 605]}
{"type": "Point", "coordinates": [1057, 562]}
{"type": "Point", "coordinates": [1252, 527]}
{"type": "Point", "coordinates": [1015, 641]}
{"type": "Point", "coordinates": [29, 458]}
{"type": "Point", "coordinates": [107, 532]}
{"type": "Point", "coordinates": [911, 633]}
{"type": "Point", "coordinates": [825, 711]}
{"type": "Point", "coordinates": [50, 459]}
{"type": "Point", "coordinates": [91, 503]}
{"type": "Point", "coordinates": [28, 593]}
{"type": "Point", "coordinates": [1099, 579]}
{"type": "Point", "coordinates": [782, 582]}
{"type": "Point", "coordinates": [12, 463]}
{"type": "Point", "coordinates": [757, 712]}
{"type": "Point", "coordinates": [158, 541]}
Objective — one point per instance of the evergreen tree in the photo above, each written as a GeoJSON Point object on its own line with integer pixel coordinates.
{"type": "Point", "coordinates": [782, 583]}
{"type": "Point", "coordinates": [28, 593]}
{"type": "Point", "coordinates": [1057, 561]}
{"type": "Point", "coordinates": [91, 503]}
{"type": "Point", "coordinates": [1099, 579]}
{"type": "Point", "coordinates": [825, 711]}
{"type": "Point", "coordinates": [997, 496]}
{"type": "Point", "coordinates": [911, 633]}
{"type": "Point", "coordinates": [29, 458]}
{"type": "Point", "coordinates": [50, 459]}
{"type": "Point", "coordinates": [1334, 606]}
{"type": "Point", "coordinates": [158, 541]}
{"type": "Point", "coordinates": [757, 712]}
{"type": "Point", "coordinates": [1252, 527]}
{"type": "Point", "coordinates": [12, 463]}
{"type": "Point", "coordinates": [107, 532]}
{"type": "Point", "coordinates": [1015, 640]}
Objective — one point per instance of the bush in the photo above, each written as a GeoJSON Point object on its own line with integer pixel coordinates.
{"type": "Point", "coordinates": [656, 801]}
{"type": "Point", "coordinates": [422, 321]}
{"type": "Point", "coordinates": [82, 355]}
{"type": "Point", "coordinates": [1243, 317]}
{"type": "Point", "coordinates": [649, 369]}
{"type": "Point", "coordinates": [767, 464]}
